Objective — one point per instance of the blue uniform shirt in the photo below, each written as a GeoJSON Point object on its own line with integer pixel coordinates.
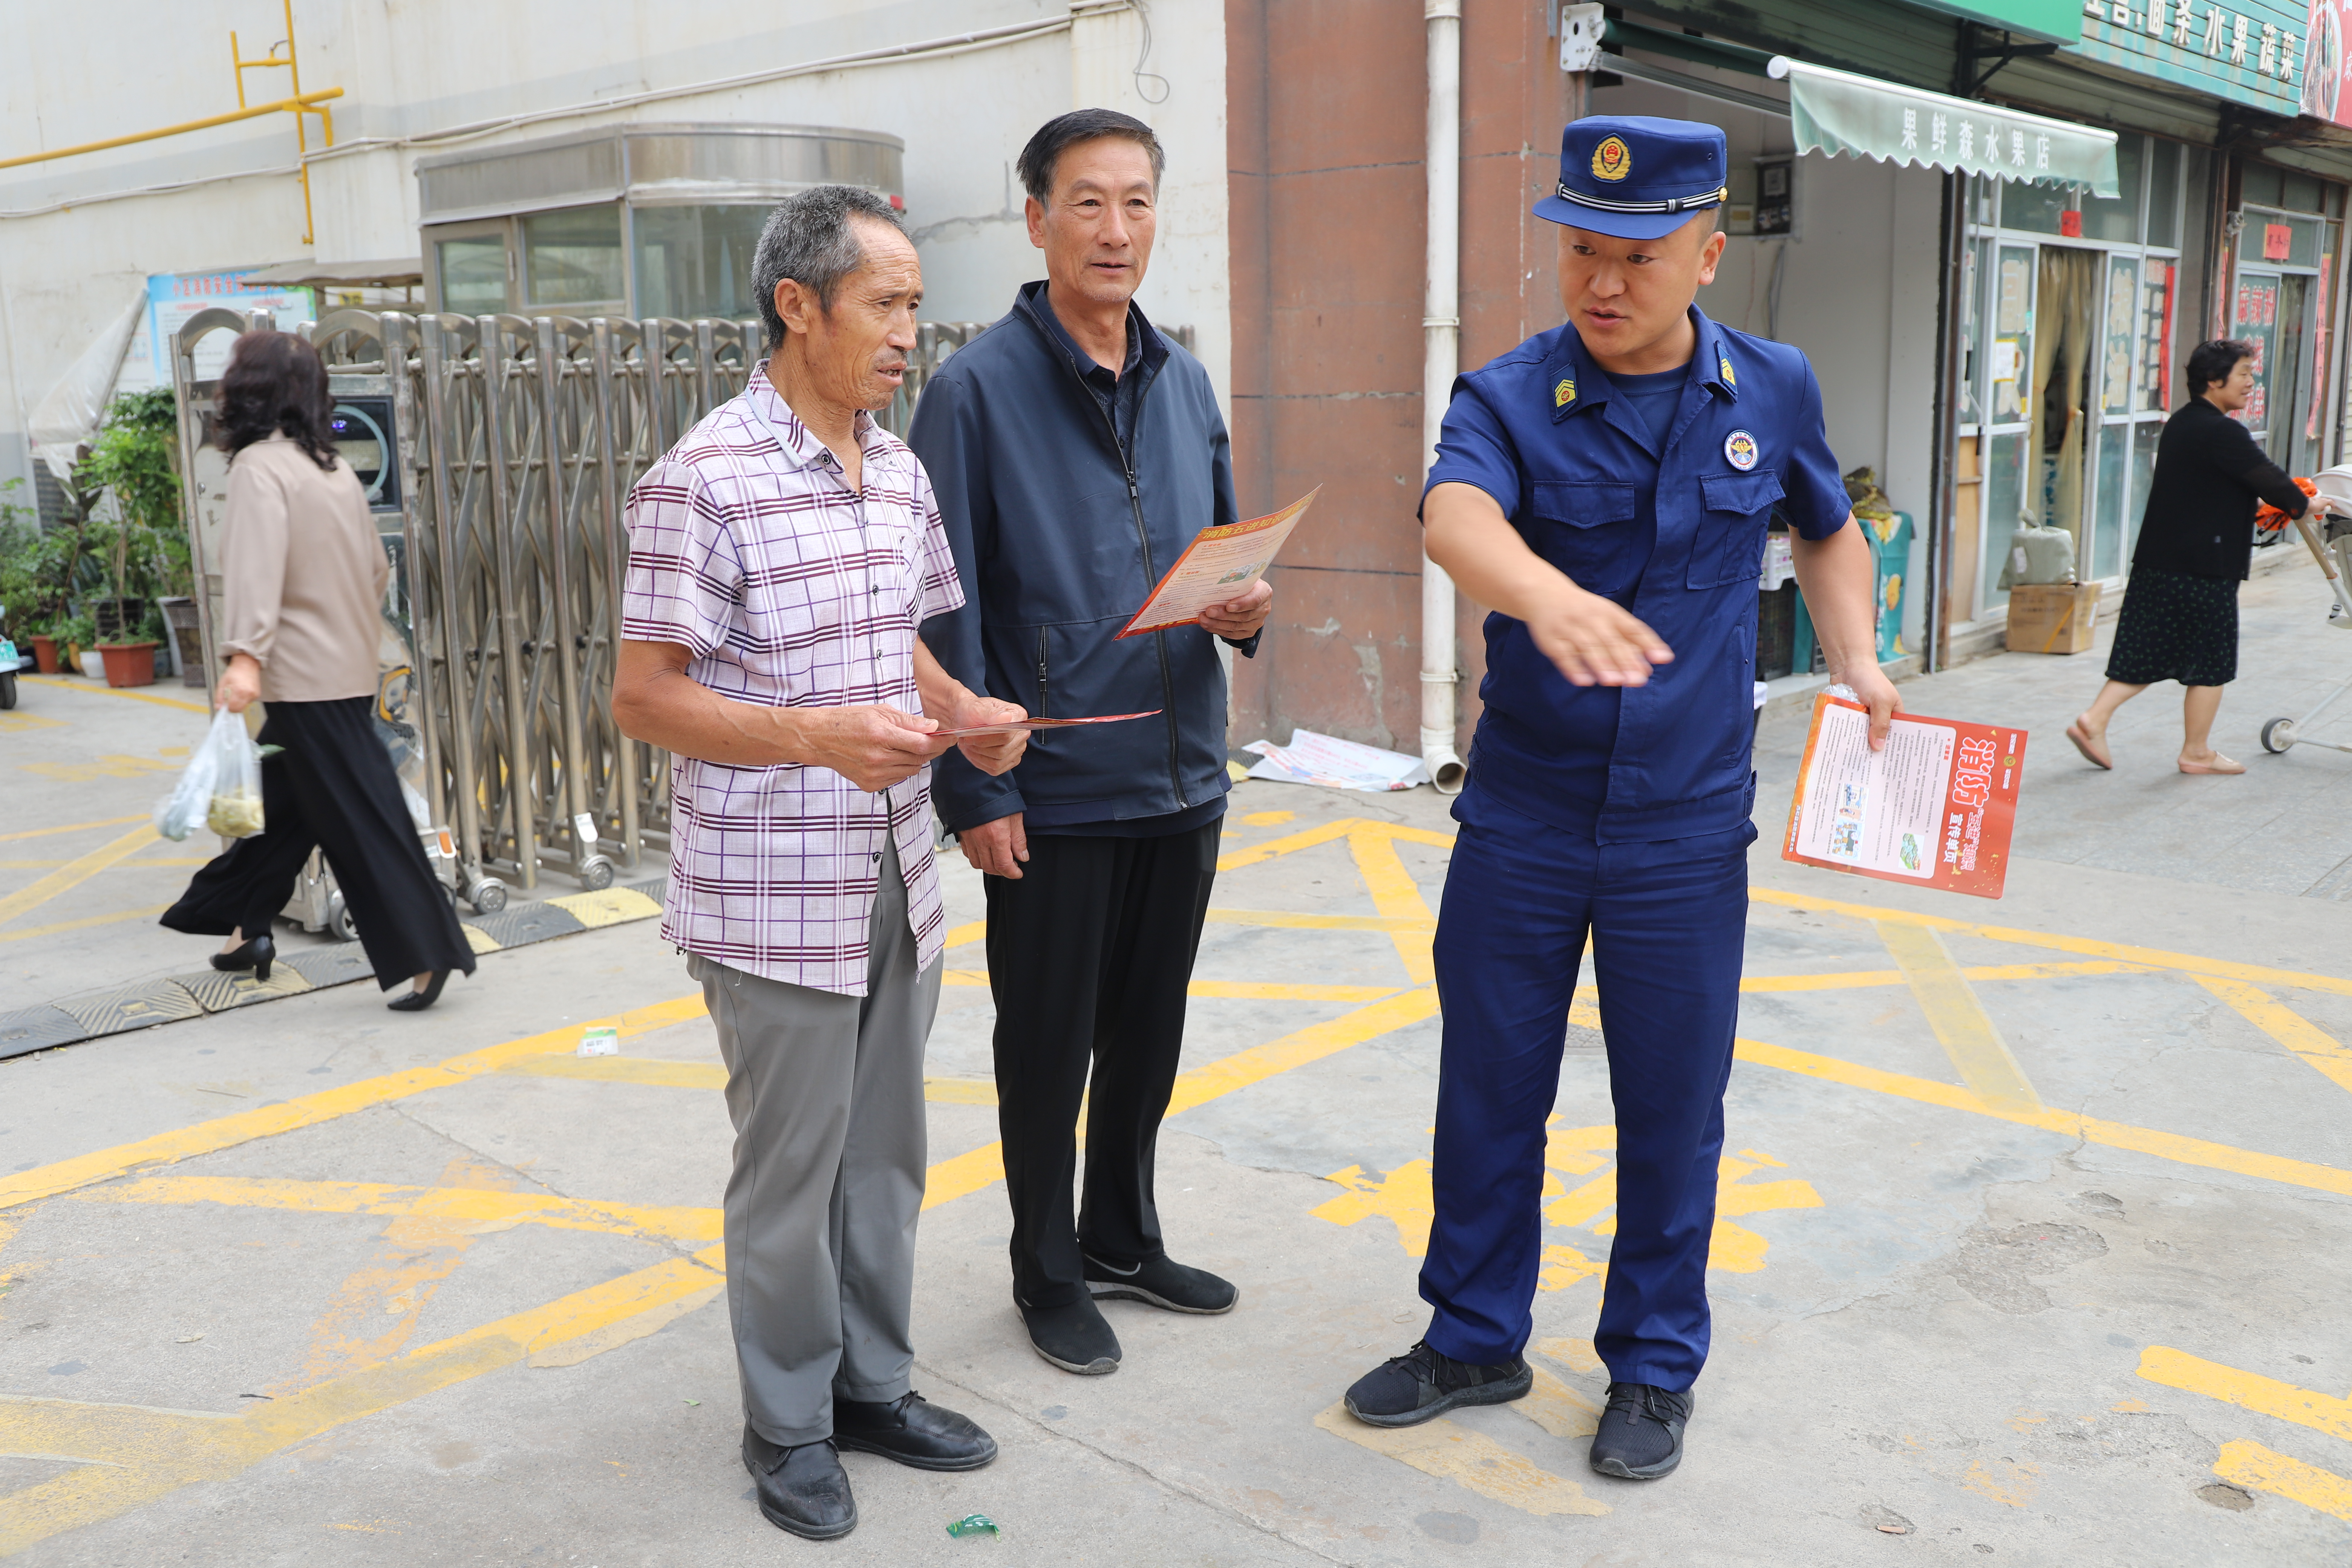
{"type": "Point", "coordinates": [1672, 531]}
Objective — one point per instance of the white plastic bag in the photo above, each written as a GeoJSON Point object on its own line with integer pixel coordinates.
{"type": "Point", "coordinates": [219, 789]}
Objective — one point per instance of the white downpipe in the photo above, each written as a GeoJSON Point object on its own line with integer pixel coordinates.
{"type": "Point", "coordinates": [1440, 328]}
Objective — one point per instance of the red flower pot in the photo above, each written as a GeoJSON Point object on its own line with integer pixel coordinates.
{"type": "Point", "coordinates": [128, 663]}
{"type": "Point", "coordinates": [44, 654]}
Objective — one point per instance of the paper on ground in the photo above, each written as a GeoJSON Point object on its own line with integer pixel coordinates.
{"type": "Point", "coordinates": [1334, 763]}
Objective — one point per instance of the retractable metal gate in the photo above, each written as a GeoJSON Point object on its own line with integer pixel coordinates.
{"type": "Point", "coordinates": [516, 441]}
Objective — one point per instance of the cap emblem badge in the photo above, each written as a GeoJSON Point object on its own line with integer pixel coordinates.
{"type": "Point", "coordinates": [1612, 160]}
{"type": "Point", "coordinates": [1564, 394]}
{"type": "Point", "coordinates": [1739, 451]}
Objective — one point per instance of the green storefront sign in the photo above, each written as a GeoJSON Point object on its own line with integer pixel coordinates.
{"type": "Point", "coordinates": [2054, 21]}
{"type": "Point", "coordinates": [2254, 52]}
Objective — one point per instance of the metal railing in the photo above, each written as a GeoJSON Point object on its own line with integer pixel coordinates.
{"type": "Point", "coordinates": [517, 442]}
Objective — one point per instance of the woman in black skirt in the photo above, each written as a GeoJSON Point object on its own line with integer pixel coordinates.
{"type": "Point", "coordinates": [304, 575]}
{"type": "Point", "coordinates": [2179, 619]}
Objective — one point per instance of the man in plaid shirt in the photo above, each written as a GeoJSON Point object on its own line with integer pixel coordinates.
{"type": "Point", "coordinates": [781, 557]}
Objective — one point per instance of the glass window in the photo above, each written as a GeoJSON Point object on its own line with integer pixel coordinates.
{"type": "Point", "coordinates": [696, 261]}
{"type": "Point", "coordinates": [1974, 267]}
{"type": "Point", "coordinates": [473, 274]}
{"type": "Point", "coordinates": [2157, 284]}
{"type": "Point", "coordinates": [2299, 193]}
{"type": "Point", "coordinates": [2107, 524]}
{"type": "Point", "coordinates": [2005, 498]}
{"type": "Point", "coordinates": [2255, 319]}
{"type": "Point", "coordinates": [2259, 185]}
{"type": "Point", "coordinates": [572, 257]}
{"type": "Point", "coordinates": [2121, 333]}
{"type": "Point", "coordinates": [2143, 470]}
{"type": "Point", "coordinates": [2011, 371]}
{"type": "Point", "coordinates": [2117, 220]}
{"type": "Point", "coordinates": [2164, 194]}
{"type": "Point", "coordinates": [2034, 208]}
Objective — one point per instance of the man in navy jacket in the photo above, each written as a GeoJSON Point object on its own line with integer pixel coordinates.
{"type": "Point", "coordinates": [1075, 453]}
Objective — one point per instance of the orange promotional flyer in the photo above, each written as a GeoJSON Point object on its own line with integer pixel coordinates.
{"type": "Point", "coordinates": [1220, 565]}
{"type": "Point", "coordinates": [1934, 808]}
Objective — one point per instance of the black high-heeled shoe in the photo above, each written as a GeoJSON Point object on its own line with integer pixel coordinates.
{"type": "Point", "coordinates": [256, 954]}
{"type": "Point", "coordinates": [417, 1001]}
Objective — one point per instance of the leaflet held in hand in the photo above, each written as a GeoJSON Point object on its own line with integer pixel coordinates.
{"type": "Point", "coordinates": [1934, 808]}
{"type": "Point", "coordinates": [1220, 564]}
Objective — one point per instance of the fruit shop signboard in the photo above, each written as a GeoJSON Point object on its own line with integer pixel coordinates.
{"type": "Point", "coordinates": [2286, 58]}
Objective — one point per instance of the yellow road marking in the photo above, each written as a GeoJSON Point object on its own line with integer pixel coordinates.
{"type": "Point", "coordinates": [151, 860]}
{"type": "Point", "coordinates": [2252, 1465]}
{"type": "Point", "coordinates": [2066, 1123]}
{"type": "Point", "coordinates": [1862, 979]}
{"type": "Point", "coordinates": [167, 1449]}
{"type": "Point", "coordinates": [448, 1211]}
{"type": "Point", "coordinates": [70, 877]}
{"type": "Point", "coordinates": [1231, 990]}
{"type": "Point", "coordinates": [263, 1121]}
{"type": "Point", "coordinates": [1577, 1355]}
{"type": "Point", "coordinates": [2285, 1025]}
{"type": "Point", "coordinates": [71, 828]}
{"type": "Point", "coordinates": [1961, 1026]}
{"type": "Point", "coordinates": [613, 906]}
{"type": "Point", "coordinates": [1559, 1409]}
{"type": "Point", "coordinates": [1398, 896]}
{"type": "Point", "coordinates": [967, 933]}
{"type": "Point", "coordinates": [710, 1075]}
{"type": "Point", "coordinates": [2249, 1390]}
{"type": "Point", "coordinates": [2154, 957]}
{"type": "Point", "coordinates": [1289, 919]}
{"type": "Point", "coordinates": [1469, 1460]}
{"type": "Point", "coordinates": [85, 686]}
{"type": "Point", "coordinates": [17, 722]}
{"type": "Point", "coordinates": [962, 1175]}
{"type": "Point", "coordinates": [117, 917]}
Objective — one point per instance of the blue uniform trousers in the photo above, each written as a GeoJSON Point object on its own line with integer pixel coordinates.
{"type": "Point", "coordinates": [1666, 921]}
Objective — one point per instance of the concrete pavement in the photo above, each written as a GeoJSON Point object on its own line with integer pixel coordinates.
{"type": "Point", "coordinates": [2032, 1244]}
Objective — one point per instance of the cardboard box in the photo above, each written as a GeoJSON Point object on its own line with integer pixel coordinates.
{"type": "Point", "coordinates": [2052, 617]}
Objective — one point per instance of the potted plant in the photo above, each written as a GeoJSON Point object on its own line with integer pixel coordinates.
{"type": "Point", "coordinates": [25, 572]}
{"type": "Point", "coordinates": [79, 637]}
{"type": "Point", "coordinates": [132, 462]}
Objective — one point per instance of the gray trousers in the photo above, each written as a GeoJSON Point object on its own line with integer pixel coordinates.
{"type": "Point", "coordinates": [826, 1094]}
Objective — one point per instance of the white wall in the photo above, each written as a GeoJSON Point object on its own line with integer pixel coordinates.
{"type": "Point", "coordinates": [408, 67]}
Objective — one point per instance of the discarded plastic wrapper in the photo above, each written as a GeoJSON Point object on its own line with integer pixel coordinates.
{"type": "Point", "coordinates": [974, 1524]}
{"type": "Point", "coordinates": [599, 1042]}
{"type": "Point", "coordinates": [1334, 763]}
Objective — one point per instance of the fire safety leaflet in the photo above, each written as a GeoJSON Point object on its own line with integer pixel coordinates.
{"type": "Point", "coordinates": [1933, 809]}
{"type": "Point", "coordinates": [1220, 565]}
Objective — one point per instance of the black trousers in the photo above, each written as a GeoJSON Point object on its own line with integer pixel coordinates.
{"type": "Point", "coordinates": [1088, 957]}
{"type": "Point", "coordinates": [334, 788]}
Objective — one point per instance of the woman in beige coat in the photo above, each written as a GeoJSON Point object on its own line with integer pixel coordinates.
{"type": "Point", "coordinates": [304, 575]}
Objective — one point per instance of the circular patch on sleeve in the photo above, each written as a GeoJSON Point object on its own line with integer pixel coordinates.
{"type": "Point", "coordinates": [1739, 451]}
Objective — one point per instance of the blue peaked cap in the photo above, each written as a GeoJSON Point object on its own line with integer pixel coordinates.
{"type": "Point", "coordinates": [1636, 177]}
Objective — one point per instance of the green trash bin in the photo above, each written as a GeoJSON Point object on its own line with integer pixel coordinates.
{"type": "Point", "coordinates": [1890, 549]}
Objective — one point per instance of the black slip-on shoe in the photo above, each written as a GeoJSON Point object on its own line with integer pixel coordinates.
{"type": "Point", "coordinates": [1162, 1282]}
{"type": "Point", "coordinates": [1422, 1383]}
{"type": "Point", "coordinates": [802, 1488]}
{"type": "Point", "coordinates": [1074, 1338]}
{"type": "Point", "coordinates": [913, 1431]}
{"type": "Point", "coordinates": [1641, 1433]}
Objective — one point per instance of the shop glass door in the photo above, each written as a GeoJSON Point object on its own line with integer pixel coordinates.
{"type": "Point", "coordinates": [2278, 305]}
{"type": "Point", "coordinates": [2008, 418]}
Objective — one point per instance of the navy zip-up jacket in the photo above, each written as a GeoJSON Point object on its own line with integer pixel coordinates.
{"type": "Point", "coordinates": [1057, 544]}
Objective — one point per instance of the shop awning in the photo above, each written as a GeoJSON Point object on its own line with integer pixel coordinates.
{"type": "Point", "coordinates": [1836, 112]}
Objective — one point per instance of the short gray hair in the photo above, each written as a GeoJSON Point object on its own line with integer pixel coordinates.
{"type": "Point", "coordinates": [808, 239]}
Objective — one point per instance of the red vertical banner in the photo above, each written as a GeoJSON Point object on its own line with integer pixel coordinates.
{"type": "Point", "coordinates": [2325, 315]}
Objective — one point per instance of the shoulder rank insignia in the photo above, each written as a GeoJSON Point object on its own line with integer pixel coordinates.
{"type": "Point", "coordinates": [1723, 363]}
{"type": "Point", "coordinates": [1564, 394]}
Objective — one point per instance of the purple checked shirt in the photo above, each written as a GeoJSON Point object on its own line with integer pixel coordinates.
{"type": "Point", "coordinates": [748, 547]}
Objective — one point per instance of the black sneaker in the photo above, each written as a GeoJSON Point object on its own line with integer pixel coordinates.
{"type": "Point", "coordinates": [1641, 1435]}
{"type": "Point", "coordinates": [1074, 1338]}
{"type": "Point", "coordinates": [1161, 1282]}
{"type": "Point", "coordinates": [1421, 1384]}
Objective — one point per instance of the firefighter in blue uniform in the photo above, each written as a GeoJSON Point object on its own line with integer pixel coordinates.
{"type": "Point", "coordinates": [1605, 489]}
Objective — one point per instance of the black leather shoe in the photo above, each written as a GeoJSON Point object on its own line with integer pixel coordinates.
{"type": "Point", "coordinates": [417, 1001]}
{"type": "Point", "coordinates": [1422, 1383]}
{"type": "Point", "coordinates": [256, 954]}
{"type": "Point", "coordinates": [1641, 1434]}
{"type": "Point", "coordinates": [1160, 1281]}
{"type": "Point", "coordinates": [913, 1431]}
{"type": "Point", "coordinates": [1074, 1338]}
{"type": "Point", "coordinates": [802, 1488]}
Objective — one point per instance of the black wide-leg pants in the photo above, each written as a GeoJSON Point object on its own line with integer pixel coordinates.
{"type": "Point", "coordinates": [1089, 954]}
{"type": "Point", "coordinates": [334, 788]}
